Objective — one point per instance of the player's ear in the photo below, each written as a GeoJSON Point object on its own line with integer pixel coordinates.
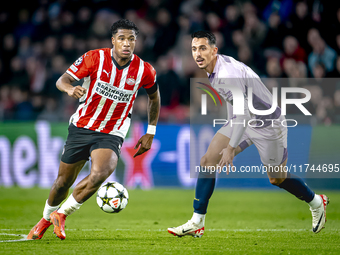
{"type": "Point", "coordinates": [113, 40]}
{"type": "Point", "coordinates": [215, 50]}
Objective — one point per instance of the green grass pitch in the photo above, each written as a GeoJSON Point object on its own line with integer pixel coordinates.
{"type": "Point", "coordinates": [238, 222]}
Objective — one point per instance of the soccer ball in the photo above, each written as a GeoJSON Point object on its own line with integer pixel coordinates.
{"type": "Point", "coordinates": [112, 197]}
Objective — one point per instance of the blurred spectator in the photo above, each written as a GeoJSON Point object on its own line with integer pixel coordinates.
{"type": "Point", "coordinates": [19, 74]}
{"type": "Point", "coordinates": [283, 8]}
{"type": "Point", "coordinates": [6, 103]}
{"type": "Point", "coordinates": [170, 85]}
{"type": "Point", "coordinates": [273, 68]}
{"type": "Point", "coordinates": [276, 32]}
{"type": "Point", "coordinates": [23, 109]}
{"type": "Point", "coordinates": [25, 26]}
{"type": "Point", "coordinates": [292, 49]}
{"type": "Point", "coordinates": [39, 42]}
{"type": "Point", "coordinates": [165, 36]}
{"type": "Point", "coordinates": [254, 30]}
{"type": "Point", "coordinates": [300, 23]}
{"type": "Point", "coordinates": [322, 53]}
{"type": "Point", "coordinates": [50, 110]}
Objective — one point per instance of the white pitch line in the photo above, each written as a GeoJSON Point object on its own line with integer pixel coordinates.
{"type": "Point", "coordinates": [23, 238]}
{"type": "Point", "coordinates": [159, 230]}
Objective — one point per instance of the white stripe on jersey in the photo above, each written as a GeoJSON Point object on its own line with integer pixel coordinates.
{"type": "Point", "coordinates": [138, 80]}
{"type": "Point", "coordinates": [96, 114]}
{"type": "Point", "coordinates": [123, 78]}
{"type": "Point", "coordinates": [75, 77]}
{"type": "Point", "coordinates": [99, 72]}
{"type": "Point", "coordinates": [113, 105]}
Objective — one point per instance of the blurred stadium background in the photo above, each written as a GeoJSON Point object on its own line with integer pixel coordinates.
{"type": "Point", "coordinates": [39, 40]}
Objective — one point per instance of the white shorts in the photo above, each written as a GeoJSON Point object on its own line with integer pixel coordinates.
{"type": "Point", "coordinates": [271, 142]}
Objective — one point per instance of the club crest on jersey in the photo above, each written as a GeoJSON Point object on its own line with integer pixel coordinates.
{"type": "Point", "coordinates": [78, 61]}
{"type": "Point", "coordinates": [130, 81]}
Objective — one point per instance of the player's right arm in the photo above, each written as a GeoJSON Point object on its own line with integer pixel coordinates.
{"type": "Point", "coordinates": [64, 84]}
{"type": "Point", "coordinates": [81, 68]}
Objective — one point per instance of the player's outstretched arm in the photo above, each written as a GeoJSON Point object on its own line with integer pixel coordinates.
{"type": "Point", "coordinates": [154, 104]}
{"type": "Point", "coordinates": [64, 84]}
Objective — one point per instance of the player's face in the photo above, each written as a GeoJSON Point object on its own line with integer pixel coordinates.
{"type": "Point", "coordinates": [124, 42]}
{"type": "Point", "coordinates": [202, 52]}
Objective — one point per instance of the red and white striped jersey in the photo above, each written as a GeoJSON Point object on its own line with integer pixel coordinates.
{"type": "Point", "coordinates": [111, 90]}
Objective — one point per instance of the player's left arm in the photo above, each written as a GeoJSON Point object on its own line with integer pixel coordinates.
{"type": "Point", "coordinates": [241, 124]}
{"type": "Point", "coordinates": [154, 104]}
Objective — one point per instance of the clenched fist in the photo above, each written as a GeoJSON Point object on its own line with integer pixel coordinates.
{"type": "Point", "coordinates": [76, 92]}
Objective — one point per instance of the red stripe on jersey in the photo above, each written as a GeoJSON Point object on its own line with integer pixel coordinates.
{"type": "Point", "coordinates": [132, 73]}
{"type": "Point", "coordinates": [118, 77]}
{"type": "Point", "coordinates": [84, 120]}
{"type": "Point", "coordinates": [102, 114]}
{"type": "Point", "coordinates": [115, 117]}
{"type": "Point", "coordinates": [117, 114]}
{"type": "Point", "coordinates": [128, 110]}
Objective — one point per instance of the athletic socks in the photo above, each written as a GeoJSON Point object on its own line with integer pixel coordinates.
{"type": "Point", "coordinates": [69, 206]}
{"type": "Point", "coordinates": [316, 202]}
{"type": "Point", "coordinates": [296, 186]}
{"type": "Point", "coordinates": [198, 219]}
{"type": "Point", "coordinates": [48, 210]}
{"type": "Point", "coordinates": [204, 189]}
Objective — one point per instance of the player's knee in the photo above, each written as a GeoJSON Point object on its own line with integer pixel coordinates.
{"type": "Point", "coordinates": [276, 181]}
{"type": "Point", "coordinates": [97, 177]}
{"type": "Point", "coordinates": [206, 161]}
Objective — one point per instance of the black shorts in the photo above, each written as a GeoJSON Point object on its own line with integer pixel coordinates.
{"type": "Point", "coordinates": [81, 142]}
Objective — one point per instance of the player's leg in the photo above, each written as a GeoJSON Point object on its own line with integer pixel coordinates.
{"type": "Point", "coordinates": [274, 155]}
{"type": "Point", "coordinates": [104, 162]}
{"type": "Point", "coordinates": [66, 176]}
{"type": "Point", "coordinates": [206, 180]}
{"type": "Point", "coordinates": [204, 187]}
{"type": "Point", "coordinates": [296, 186]}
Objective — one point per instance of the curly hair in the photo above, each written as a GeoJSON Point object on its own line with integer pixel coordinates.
{"type": "Point", "coordinates": [124, 24]}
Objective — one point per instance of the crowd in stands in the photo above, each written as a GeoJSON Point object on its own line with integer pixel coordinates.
{"type": "Point", "coordinates": [277, 38]}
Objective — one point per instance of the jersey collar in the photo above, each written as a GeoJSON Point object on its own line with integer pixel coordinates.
{"type": "Point", "coordinates": [119, 67]}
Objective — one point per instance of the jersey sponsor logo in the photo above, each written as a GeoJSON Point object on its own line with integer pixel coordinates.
{"type": "Point", "coordinates": [78, 61]}
{"type": "Point", "coordinates": [119, 95]}
{"type": "Point", "coordinates": [130, 81]}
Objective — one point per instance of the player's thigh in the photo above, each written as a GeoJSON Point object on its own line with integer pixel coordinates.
{"type": "Point", "coordinates": [273, 153]}
{"type": "Point", "coordinates": [218, 143]}
{"type": "Point", "coordinates": [104, 162]}
{"type": "Point", "coordinates": [105, 152]}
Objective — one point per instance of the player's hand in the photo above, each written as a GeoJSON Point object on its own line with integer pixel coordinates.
{"type": "Point", "coordinates": [145, 143]}
{"type": "Point", "coordinates": [228, 155]}
{"type": "Point", "coordinates": [76, 92]}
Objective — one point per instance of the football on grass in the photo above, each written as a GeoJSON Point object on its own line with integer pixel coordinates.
{"type": "Point", "coordinates": [112, 197]}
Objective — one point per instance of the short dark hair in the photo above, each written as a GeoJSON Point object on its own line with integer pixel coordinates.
{"type": "Point", "coordinates": [124, 24]}
{"type": "Point", "coordinates": [205, 34]}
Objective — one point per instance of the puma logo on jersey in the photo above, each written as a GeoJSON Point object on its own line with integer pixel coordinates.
{"type": "Point", "coordinates": [107, 73]}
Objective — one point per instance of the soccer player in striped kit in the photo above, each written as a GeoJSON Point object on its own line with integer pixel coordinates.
{"type": "Point", "coordinates": [112, 78]}
{"type": "Point", "coordinates": [270, 140]}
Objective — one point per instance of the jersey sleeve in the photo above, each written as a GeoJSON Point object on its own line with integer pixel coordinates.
{"type": "Point", "coordinates": [150, 76]}
{"type": "Point", "coordinates": [82, 67]}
